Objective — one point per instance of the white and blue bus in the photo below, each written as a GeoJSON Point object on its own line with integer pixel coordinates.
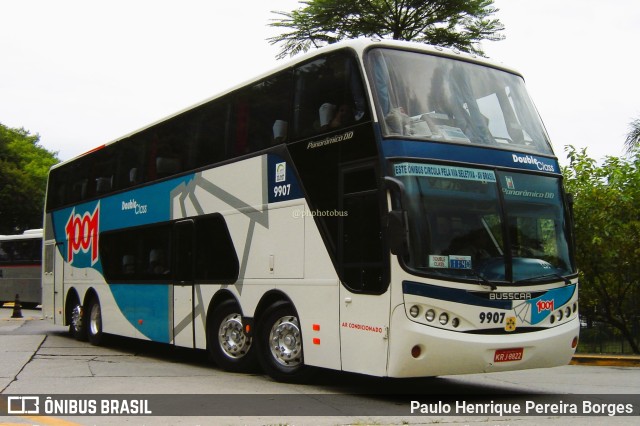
{"type": "Point", "coordinates": [378, 207]}
{"type": "Point", "coordinates": [21, 268]}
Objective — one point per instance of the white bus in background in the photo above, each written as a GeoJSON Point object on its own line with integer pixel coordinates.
{"type": "Point", "coordinates": [21, 268]}
{"type": "Point", "coordinates": [377, 207]}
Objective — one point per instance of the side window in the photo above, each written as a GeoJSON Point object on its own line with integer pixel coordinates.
{"type": "Point", "coordinates": [101, 178]}
{"type": "Point", "coordinates": [198, 249]}
{"type": "Point", "coordinates": [142, 254]}
{"type": "Point", "coordinates": [215, 256]}
{"type": "Point", "coordinates": [132, 162]}
{"type": "Point", "coordinates": [167, 148]}
{"type": "Point", "coordinates": [25, 252]}
{"type": "Point", "coordinates": [328, 95]}
{"type": "Point", "coordinates": [261, 114]}
{"type": "Point", "coordinates": [209, 134]}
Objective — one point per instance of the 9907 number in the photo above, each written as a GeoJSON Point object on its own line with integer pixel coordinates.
{"type": "Point", "coordinates": [491, 317]}
{"type": "Point", "coordinates": [281, 190]}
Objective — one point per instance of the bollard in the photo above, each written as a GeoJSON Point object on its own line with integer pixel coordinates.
{"type": "Point", "coordinates": [17, 308]}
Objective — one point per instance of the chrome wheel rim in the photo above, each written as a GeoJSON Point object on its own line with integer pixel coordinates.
{"type": "Point", "coordinates": [76, 318]}
{"type": "Point", "coordinates": [95, 319]}
{"type": "Point", "coordinates": [285, 341]}
{"type": "Point", "coordinates": [231, 338]}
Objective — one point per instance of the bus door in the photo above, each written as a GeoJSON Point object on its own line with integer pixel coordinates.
{"type": "Point", "coordinates": [183, 251]}
{"type": "Point", "coordinates": [364, 294]}
{"type": "Point", "coordinates": [52, 283]}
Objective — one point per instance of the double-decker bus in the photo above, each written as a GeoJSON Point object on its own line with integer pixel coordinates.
{"type": "Point", "coordinates": [378, 207]}
{"type": "Point", "coordinates": [21, 268]}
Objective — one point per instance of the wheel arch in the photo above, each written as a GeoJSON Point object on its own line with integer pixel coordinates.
{"type": "Point", "coordinates": [90, 294]}
{"type": "Point", "coordinates": [269, 300]}
{"type": "Point", "coordinates": [218, 299]}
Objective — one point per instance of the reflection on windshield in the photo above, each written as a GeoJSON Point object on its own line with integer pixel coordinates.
{"type": "Point", "coordinates": [435, 98]}
{"type": "Point", "coordinates": [459, 228]}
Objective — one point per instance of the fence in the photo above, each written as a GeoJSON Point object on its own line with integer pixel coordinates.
{"type": "Point", "coordinates": [602, 338]}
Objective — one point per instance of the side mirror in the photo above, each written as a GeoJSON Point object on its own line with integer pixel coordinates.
{"type": "Point", "coordinates": [397, 233]}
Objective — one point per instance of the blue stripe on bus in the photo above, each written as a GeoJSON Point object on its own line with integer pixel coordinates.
{"type": "Point", "coordinates": [452, 295]}
{"type": "Point", "coordinates": [143, 206]}
{"type": "Point", "coordinates": [538, 309]}
{"type": "Point", "coordinates": [468, 154]}
{"type": "Point", "coordinates": [146, 307]}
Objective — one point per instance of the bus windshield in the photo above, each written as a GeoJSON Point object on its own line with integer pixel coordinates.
{"type": "Point", "coordinates": [427, 97]}
{"type": "Point", "coordinates": [461, 227]}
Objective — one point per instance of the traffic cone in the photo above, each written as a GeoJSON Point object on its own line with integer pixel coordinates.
{"type": "Point", "coordinates": [17, 311]}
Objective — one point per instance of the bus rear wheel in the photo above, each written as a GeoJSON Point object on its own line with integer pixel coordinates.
{"type": "Point", "coordinates": [94, 322]}
{"type": "Point", "coordinates": [280, 344]}
{"type": "Point", "coordinates": [77, 327]}
{"type": "Point", "coordinates": [229, 346]}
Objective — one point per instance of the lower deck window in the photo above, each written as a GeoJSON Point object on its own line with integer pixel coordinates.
{"type": "Point", "coordinates": [198, 249]}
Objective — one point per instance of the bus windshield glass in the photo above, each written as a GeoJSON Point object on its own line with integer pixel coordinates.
{"type": "Point", "coordinates": [426, 97]}
{"type": "Point", "coordinates": [460, 226]}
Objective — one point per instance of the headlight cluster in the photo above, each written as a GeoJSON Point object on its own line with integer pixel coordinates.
{"type": "Point", "coordinates": [564, 313]}
{"type": "Point", "coordinates": [430, 315]}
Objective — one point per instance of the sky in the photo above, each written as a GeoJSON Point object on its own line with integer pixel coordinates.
{"type": "Point", "coordinates": [81, 73]}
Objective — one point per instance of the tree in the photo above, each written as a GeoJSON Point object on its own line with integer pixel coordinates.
{"type": "Point", "coordinates": [460, 24]}
{"type": "Point", "coordinates": [633, 137]}
{"type": "Point", "coordinates": [23, 178]}
{"type": "Point", "coordinates": [607, 229]}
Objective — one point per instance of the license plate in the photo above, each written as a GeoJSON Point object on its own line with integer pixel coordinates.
{"type": "Point", "coordinates": [506, 355]}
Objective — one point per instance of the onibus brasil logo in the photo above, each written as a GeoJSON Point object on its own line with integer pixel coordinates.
{"type": "Point", "coordinates": [82, 234]}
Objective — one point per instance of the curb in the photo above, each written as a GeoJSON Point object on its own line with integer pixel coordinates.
{"type": "Point", "coordinates": [606, 360]}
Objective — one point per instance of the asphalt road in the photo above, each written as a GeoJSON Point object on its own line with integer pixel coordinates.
{"type": "Point", "coordinates": [182, 387]}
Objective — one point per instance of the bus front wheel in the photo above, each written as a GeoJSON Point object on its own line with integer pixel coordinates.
{"type": "Point", "coordinates": [280, 344]}
{"type": "Point", "coordinates": [229, 346]}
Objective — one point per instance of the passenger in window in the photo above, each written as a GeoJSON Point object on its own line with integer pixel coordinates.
{"type": "Point", "coordinates": [333, 117]}
{"type": "Point", "coordinates": [279, 131]}
{"type": "Point", "coordinates": [128, 264]}
{"type": "Point", "coordinates": [343, 117]}
{"type": "Point", "coordinates": [158, 262]}
{"type": "Point", "coordinates": [327, 111]}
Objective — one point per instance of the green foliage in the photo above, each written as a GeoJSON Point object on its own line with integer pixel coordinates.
{"type": "Point", "coordinates": [607, 229]}
{"type": "Point", "coordinates": [460, 24]}
{"type": "Point", "coordinates": [633, 137]}
{"type": "Point", "coordinates": [24, 166]}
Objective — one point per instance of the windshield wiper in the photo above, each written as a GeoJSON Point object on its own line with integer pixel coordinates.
{"type": "Point", "coordinates": [482, 280]}
{"type": "Point", "coordinates": [566, 280]}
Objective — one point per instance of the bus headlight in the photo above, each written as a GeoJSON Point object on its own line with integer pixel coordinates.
{"type": "Point", "coordinates": [430, 315]}
{"type": "Point", "coordinates": [443, 318]}
{"type": "Point", "coordinates": [414, 311]}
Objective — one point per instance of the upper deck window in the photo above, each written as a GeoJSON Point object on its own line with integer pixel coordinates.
{"type": "Point", "coordinates": [328, 95]}
{"type": "Point", "coordinates": [428, 97]}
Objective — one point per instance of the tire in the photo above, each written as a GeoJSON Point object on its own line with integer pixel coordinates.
{"type": "Point", "coordinates": [77, 327]}
{"type": "Point", "coordinates": [280, 345]}
{"type": "Point", "coordinates": [93, 321]}
{"type": "Point", "coordinates": [229, 347]}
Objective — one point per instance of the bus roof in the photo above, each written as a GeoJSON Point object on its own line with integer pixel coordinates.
{"type": "Point", "coordinates": [360, 45]}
